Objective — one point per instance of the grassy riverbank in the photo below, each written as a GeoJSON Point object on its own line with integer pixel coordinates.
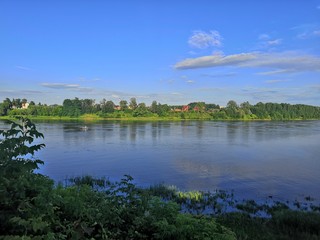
{"type": "Point", "coordinates": [95, 117]}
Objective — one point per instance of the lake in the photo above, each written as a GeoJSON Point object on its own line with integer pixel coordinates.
{"type": "Point", "coordinates": [255, 159]}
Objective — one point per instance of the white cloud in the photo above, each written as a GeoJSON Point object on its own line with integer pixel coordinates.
{"type": "Point", "coordinates": [176, 93]}
{"type": "Point", "coordinates": [282, 61]}
{"type": "Point", "coordinates": [274, 42]}
{"type": "Point", "coordinates": [201, 39]}
{"type": "Point", "coordinates": [220, 75]}
{"type": "Point", "coordinates": [23, 68]}
{"type": "Point", "coordinates": [20, 92]}
{"type": "Point", "coordinates": [264, 36]}
{"type": "Point", "coordinates": [294, 95]}
{"type": "Point", "coordinates": [75, 87]}
{"type": "Point", "coordinates": [276, 81]}
{"type": "Point", "coordinates": [190, 81]}
{"type": "Point", "coordinates": [306, 31]}
{"type": "Point", "coordinates": [276, 72]}
{"type": "Point", "coordinates": [303, 35]}
{"type": "Point", "coordinates": [60, 85]}
{"type": "Point", "coordinates": [214, 61]}
{"type": "Point", "coordinates": [316, 32]}
{"type": "Point", "coordinates": [265, 41]}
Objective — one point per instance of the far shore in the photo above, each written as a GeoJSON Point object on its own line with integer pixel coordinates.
{"type": "Point", "coordinates": [93, 118]}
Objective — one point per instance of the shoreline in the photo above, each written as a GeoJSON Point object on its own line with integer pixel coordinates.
{"type": "Point", "coordinates": [93, 118]}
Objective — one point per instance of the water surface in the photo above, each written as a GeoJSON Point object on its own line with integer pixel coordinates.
{"type": "Point", "coordinates": [256, 159]}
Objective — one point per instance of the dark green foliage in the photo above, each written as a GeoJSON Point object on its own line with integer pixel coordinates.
{"type": "Point", "coordinates": [123, 105]}
{"type": "Point", "coordinates": [284, 224]}
{"type": "Point", "coordinates": [133, 103]}
{"type": "Point", "coordinates": [23, 193]}
{"type": "Point", "coordinates": [197, 110]}
{"type": "Point", "coordinates": [141, 111]}
{"type": "Point", "coordinates": [5, 106]}
{"type": "Point", "coordinates": [247, 227]}
{"type": "Point", "coordinates": [297, 224]}
{"type": "Point", "coordinates": [107, 107]}
{"type": "Point", "coordinates": [71, 108]}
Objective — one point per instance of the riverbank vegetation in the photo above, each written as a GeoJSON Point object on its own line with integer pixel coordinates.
{"type": "Point", "coordinates": [87, 109]}
{"type": "Point", "coordinates": [32, 206]}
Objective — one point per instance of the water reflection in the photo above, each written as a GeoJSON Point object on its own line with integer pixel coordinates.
{"type": "Point", "coordinates": [262, 158]}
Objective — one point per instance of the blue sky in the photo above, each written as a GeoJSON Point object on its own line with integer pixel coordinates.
{"type": "Point", "coordinates": [174, 52]}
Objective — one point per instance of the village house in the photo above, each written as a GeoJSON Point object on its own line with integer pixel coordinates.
{"type": "Point", "coordinates": [25, 105]}
{"type": "Point", "coordinates": [185, 108]}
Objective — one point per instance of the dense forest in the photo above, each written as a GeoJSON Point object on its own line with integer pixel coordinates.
{"type": "Point", "coordinates": [196, 110]}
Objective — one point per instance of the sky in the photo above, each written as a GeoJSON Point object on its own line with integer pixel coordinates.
{"type": "Point", "coordinates": [174, 52]}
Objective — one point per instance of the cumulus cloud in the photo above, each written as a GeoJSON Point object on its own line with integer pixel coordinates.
{"type": "Point", "coordinates": [215, 61]}
{"type": "Point", "coordinates": [201, 39]}
{"type": "Point", "coordinates": [281, 62]}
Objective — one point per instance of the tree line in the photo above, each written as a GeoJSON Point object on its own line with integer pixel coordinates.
{"type": "Point", "coordinates": [196, 110]}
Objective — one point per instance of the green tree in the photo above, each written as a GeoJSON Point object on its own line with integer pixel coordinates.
{"type": "Point", "coordinates": [24, 101]}
{"type": "Point", "coordinates": [232, 105]}
{"type": "Point", "coordinates": [20, 188]}
{"type": "Point", "coordinates": [246, 107]}
{"type": "Point", "coordinates": [5, 107]}
{"type": "Point", "coordinates": [200, 107]}
{"type": "Point", "coordinates": [260, 111]}
{"type": "Point", "coordinates": [232, 109]}
{"type": "Point", "coordinates": [107, 107]}
{"type": "Point", "coordinates": [154, 107]}
{"type": "Point", "coordinates": [87, 106]}
{"type": "Point", "coordinates": [72, 108]}
{"type": "Point", "coordinates": [133, 103]}
{"type": "Point", "coordinates": [163, 110]}
{"type": "Point", "coordinates": [141, 111]}
{"type": "Point", "coordinates": [123, 105]}
{"type": "Point", "coordinates": [16, 103]}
